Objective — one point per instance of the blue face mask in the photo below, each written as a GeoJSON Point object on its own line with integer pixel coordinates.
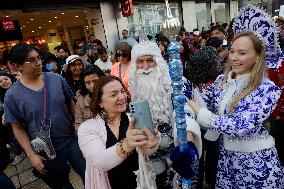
{"type": "Point", "coordinates": [51, 67]}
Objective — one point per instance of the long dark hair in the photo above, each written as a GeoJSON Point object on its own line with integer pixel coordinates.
{"type": "Point", "coordinates": [3, 91]}
{"type": "Point", "coordinates": [98, 93]}
{"type": "Point", "coordinates": [89, 70]}
{"type": "Point", "coordinates": [68, 74]}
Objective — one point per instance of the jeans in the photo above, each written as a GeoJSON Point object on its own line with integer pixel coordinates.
{"type": "Point", "coordinates": [5, 182]}
{"type": "Point", "coordinates": [57, 176]}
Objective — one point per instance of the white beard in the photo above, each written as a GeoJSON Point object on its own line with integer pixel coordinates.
{"type": "Point", "coordinates": [152, 87]}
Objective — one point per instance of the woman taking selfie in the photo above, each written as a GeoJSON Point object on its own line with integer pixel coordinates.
{"type": "Point", "coordinates": [108, 141]}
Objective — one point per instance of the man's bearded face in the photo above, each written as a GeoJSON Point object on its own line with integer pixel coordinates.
{"type": "Point", "coordinates": [150, 86]}
{"type": "Point", "coordinates": [145, 62]}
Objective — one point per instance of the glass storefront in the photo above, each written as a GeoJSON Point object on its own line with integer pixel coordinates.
{"type": "Point", "coordinates": [203, 15]}
{"type": "Point", "coordinates": [48, 29]}
{"type": "Point", "coordinates": [149, 17]}
{"type": "Point", "coordinates": [221, 12]}
{"type": "Point", "coordinates": [204, 11]}
{"type": "Point", "coordinates": [264, 4]}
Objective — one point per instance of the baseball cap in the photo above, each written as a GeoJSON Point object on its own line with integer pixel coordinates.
{"type": "Point", "coordinates": [72, 58]}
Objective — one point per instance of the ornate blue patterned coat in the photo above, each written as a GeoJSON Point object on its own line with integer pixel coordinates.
{"type": "Point", "coordinates": [248, 158]}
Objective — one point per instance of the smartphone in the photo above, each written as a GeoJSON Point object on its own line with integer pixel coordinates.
{"type": "Point", "coordinates": [141, 112]}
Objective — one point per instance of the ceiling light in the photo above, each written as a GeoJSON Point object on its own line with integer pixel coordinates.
{"type": "Point", "coordinates": [39, 27]}
{"type": "Point", "coordinates": [33, 31]}
{"type": "Point", "coordinates": [85, 11]}
{"type": "Point", "coordinates": [62, 13]}
{"type": "Point", "coordinates": [49, 21]}
{"type": "Point", "coordinates": [7, 16]}
{"type": "Point", "coordinates": [24, 26]}
{"type": "Point", "coordinates": [21, 28]}
{"type": "Point", "coordinates": [76, 16]}
{"type": "Point", "coordinates": [32, 19]}
{"type": "Point", "coordinates": [55, 17]}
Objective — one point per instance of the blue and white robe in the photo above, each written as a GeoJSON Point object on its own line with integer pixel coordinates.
{"type": "Point", "coordinates": [247, 158]}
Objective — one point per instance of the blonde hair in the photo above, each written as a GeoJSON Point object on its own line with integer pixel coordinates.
{"type": "Point", "coordinates": [257, 72]}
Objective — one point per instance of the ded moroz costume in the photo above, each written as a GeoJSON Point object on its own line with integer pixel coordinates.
{"type": "Point", "coordinates": [155, 86]}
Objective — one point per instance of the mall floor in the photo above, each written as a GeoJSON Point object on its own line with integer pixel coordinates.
{"type": "Point", "coordinates": [23, 178]}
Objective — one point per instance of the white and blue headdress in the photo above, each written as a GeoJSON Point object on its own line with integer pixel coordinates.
{"type": "Point", "coordinates": [252, 18]}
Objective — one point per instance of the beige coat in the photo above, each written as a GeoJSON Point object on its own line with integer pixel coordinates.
{"type": "Point", "coordinates": [83, 111]}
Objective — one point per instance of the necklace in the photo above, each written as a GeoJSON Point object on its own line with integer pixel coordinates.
{"type": "Point", "coordinates": [114, 127]}
{"type": "Point", "coordinates": [112, 123]}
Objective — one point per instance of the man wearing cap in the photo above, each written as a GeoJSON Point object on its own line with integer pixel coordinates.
{"type": "Point", "coordinates": [40, 109]}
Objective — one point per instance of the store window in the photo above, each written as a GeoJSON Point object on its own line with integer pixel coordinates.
{"type": "Point", "coordinates": [221, 12]}
{"type": "Point", "coordinates": [203, 15]}
{"type": "Point", "coordinates": [149, 17]}
{"type": "Point", "coordinates": [264, 4]}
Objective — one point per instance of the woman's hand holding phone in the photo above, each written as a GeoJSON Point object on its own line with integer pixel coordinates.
{"type": "Point", "coordinates": [141, 112]}
{"type": "Point", "coordinates": [152, 138]}
{"type": "Point", "coordinates": [134, 137]}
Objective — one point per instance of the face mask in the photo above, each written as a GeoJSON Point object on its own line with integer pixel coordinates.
{"type": "Point", "coordinates": [51, 67]}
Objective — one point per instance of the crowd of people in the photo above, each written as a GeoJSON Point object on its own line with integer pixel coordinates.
{"type": "Point", "coordinates": [71, 109]}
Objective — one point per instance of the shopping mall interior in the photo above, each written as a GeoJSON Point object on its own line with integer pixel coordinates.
{"type": "Point", "coordinates": [47, 29]}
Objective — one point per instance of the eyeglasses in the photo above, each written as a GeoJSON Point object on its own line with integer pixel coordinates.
{"type": "Point", "coordinates": [34, 60]}
{"type": "Point", "coordinates": [121, 54]}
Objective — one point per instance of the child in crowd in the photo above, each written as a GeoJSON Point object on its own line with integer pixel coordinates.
{"type": "Point", "coordinates": [6, 81]}
{"type": "Point", "coordinates": [89, 76]}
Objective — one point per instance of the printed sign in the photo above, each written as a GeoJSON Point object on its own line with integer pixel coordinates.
{"type": "Point", "coordinates": [8, 25]}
